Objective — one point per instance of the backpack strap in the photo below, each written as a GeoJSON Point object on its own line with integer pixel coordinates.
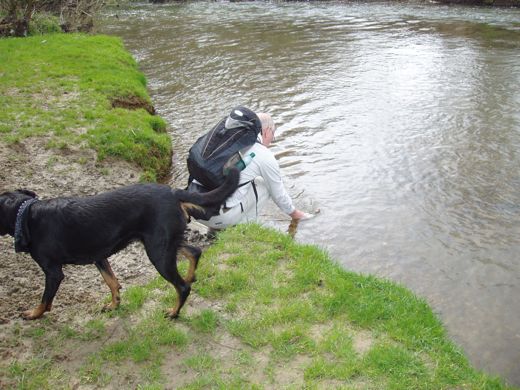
{"type": "Point", "coordinates": [254, 190]}
{"type": "Point", "coordinates": [190, 180]}
{"type": "Point", "coordinates": [245, 183]}
{"type": "Point", "coordinates": [256, 195]}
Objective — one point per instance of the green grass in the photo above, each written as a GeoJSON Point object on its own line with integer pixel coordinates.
{"type": "Point", "coordinates": [293, 300]}
{"type": "Point", "coordinates": [143, 344]}
{"type": "Point", "coordinates": [36, 373]}
{"type": "Point", "coordinates": [61, 87]}
{"type": "Point", "coordinates": [206, 321]}
{"type": "Point", "coordinates": [133, 299]}
{"type": "Point", "coordinates": [265, 312]}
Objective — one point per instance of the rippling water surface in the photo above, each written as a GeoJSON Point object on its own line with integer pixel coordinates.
{"type": "Point", "coordinates": [401, 122]}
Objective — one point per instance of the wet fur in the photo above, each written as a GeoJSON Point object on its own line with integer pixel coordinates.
{"type": "Point", "coordinates": [88, 230]}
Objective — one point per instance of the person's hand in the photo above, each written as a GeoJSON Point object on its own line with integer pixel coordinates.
{"type": "Point", "coordinates": [301, 215]}
{"type": "Point", "coordinates": [297, 216]}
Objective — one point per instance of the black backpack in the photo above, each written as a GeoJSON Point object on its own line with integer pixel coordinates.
{"type": "Point", "coordinates": [213, 151]}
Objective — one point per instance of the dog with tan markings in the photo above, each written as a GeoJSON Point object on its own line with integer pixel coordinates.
{"type": "Point", "coordinates": [88, 230]}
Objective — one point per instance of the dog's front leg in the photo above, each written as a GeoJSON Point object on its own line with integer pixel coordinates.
{"type": "Point", "coordinates": [110, 279]}
{"type": "Point", "coordinates": [53, 278]}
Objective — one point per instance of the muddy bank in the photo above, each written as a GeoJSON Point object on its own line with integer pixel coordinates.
{"type": "Point", "coordinates": [28, 164]}
{"type": "Point", "coordinates": [87, 129]}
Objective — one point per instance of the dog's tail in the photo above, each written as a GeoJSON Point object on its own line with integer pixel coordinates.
{"type": "Point", "coordinates": [205, 205]}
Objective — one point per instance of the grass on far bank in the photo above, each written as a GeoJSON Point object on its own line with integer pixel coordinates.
{"type": "Point", "coordinates": [74, 89]}
{"type": "Point", "coordinates": [265, 312]}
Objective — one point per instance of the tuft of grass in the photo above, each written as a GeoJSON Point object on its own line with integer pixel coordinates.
{"type": "Point", "coordinates": [94, 372]}
{"type": "Point", "coordinates": [133, 299]}
{"type": "Point", "coordinates": [206, 321]}
{"type": "Point", "coordinates": [62, 86]}
{"type": "Point", "coordinates": [36, 373]}
{"type": "Point", "coordinates": [325, 369]}
{"type": "Point", "coordinates": [201, 362]}
{"type": "Point", "coordinates": [144, 340]}
{"type": "Point", "coordinates": [400, 367]}
{"type": "Point", "coordinates": [94, 329]}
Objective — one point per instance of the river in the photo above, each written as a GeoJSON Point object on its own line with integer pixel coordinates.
{"type": "Point", "coordinates": [399, 121]}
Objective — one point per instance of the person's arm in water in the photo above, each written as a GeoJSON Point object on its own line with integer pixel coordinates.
{"type": "Point", "coordinates": [272, 176]}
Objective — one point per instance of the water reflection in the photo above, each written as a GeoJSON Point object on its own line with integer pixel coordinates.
{"type": "Point", "coordinates": [399, 121]}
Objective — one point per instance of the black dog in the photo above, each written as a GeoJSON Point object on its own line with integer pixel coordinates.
{"type": "Point", "coordinates": [88, 230]}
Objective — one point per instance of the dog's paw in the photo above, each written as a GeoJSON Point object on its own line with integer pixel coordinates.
{"type": "Point", "coordinates": [31, 314]}
{"type": "Point", "coordinates": [171, 314]}
{"type": "Point", "coordinates": [107, 308]}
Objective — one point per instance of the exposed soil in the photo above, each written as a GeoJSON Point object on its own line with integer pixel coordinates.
{"type": "Point", "coordinates": [50, 173]}
{"type": "Point", "coordinates": [133, 103]}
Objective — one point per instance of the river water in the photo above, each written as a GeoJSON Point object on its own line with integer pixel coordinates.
{"type": "Point", "coordinates": [399, 121]}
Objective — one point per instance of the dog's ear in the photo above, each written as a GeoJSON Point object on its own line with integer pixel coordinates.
{"type": "Point", "coordinates": [28, 192]}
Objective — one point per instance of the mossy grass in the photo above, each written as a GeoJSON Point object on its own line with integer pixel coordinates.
{"type": "Point", "coordinates": [266, 312]}
{"type": "Point", "coordinates": [72, 89]}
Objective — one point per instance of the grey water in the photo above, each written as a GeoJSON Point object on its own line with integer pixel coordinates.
{"type": "Point", "coordinates": [399, 121]}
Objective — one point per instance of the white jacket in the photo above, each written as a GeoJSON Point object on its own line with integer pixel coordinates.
{"type": "Point", "coordinates": [263, 164]}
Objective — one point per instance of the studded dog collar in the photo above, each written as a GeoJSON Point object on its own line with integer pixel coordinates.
{"type": "Point", "coordinates": [21, 241]}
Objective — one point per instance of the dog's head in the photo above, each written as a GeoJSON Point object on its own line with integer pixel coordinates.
{"type": "Point", "coordinates": [9, 204]}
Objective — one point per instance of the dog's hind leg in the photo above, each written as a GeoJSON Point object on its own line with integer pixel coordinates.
{"type": "Point", "coordinates": [183, 289]}
{"type": "Point", "coordinates": [53, 278]}
{"type": "Point", "coordinates": [193, 255]}
{"type": "Point", "coordinates": [110, 279]}
{"type": "Point", "coordinates": [165, 261]}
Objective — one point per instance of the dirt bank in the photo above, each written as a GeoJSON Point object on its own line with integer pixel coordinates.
{"type": "Point", "coordinates": [30, 165]}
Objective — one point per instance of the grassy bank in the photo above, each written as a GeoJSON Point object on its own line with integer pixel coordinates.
{"type": "Point", "coordinates": [267, 314]}
{"type": "Point", "coordinates": [80, 90]}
